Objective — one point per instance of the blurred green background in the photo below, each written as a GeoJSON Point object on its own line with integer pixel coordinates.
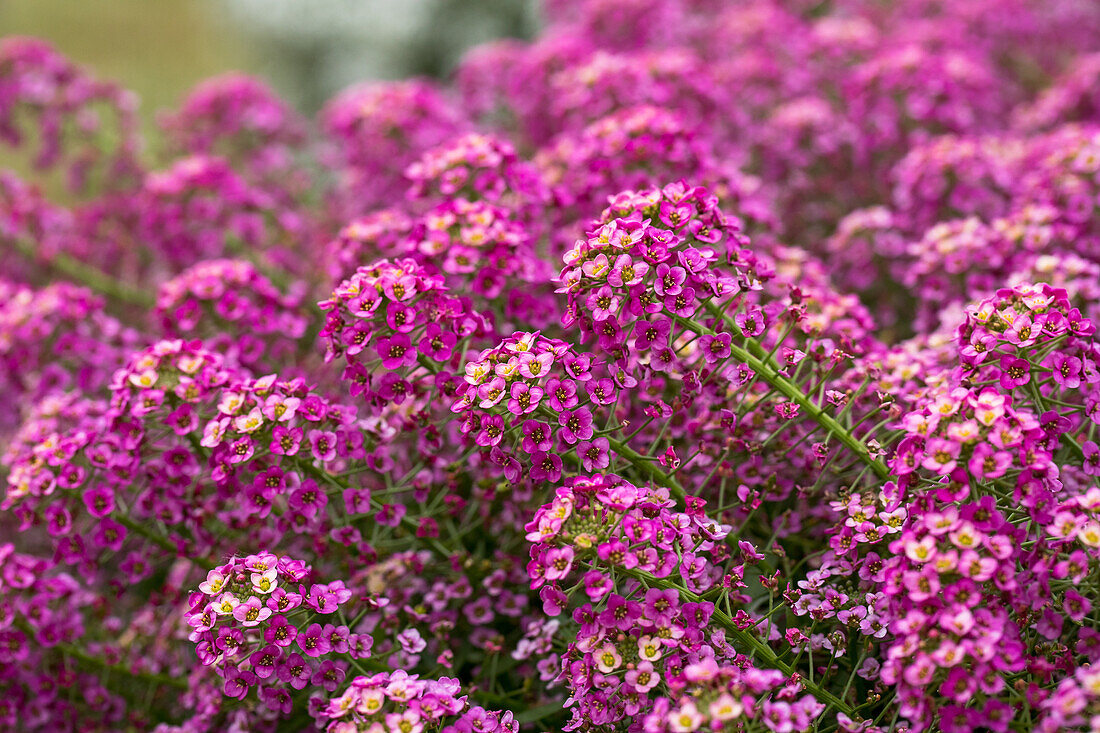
{"type": "Point", "coordinates": [307, 49]}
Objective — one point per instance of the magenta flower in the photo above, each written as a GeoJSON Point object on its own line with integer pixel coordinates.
{"type": "Point", "coordinates": [576, 425]}
{"type": "Point", "coordinates": [558, 562]}
{"type": "Point", "coordinates": [411, 641]}
{"type": "Point", "coordinates": [675, 215]}
{"type": "Point", "coordinates": [308, 499]}
{"type": "Point", "coordinates": [396, 351]}
{"type": "Point", "coordinates": [620, 613]}
{"type": "Point", "coordinates": [603, 304]}
{"type": "Point", "coordinates": [323, 444]}
{"type": "Point", "coordinates": [536, 437]}
{"type": "Point", "coordinates": [278, 699]}
{"type": "Point", "coordinates": [594, 454]}
{"type": "Point", "coordinates": [281, 600]}
{"type": "Point", "coordinates": [545, 467]}
{"type": "Point", "coordinates": [940, 455]}
{"type": "Point", "coordinates": [751, 322]}
{"type": "Point", "coordinates": [313, 642]}
{"type": "Point", "coordinates": [524, 398]}
{"type": "Point", "coordinates": [100, 501]}
{"type": "Point", "coordinates": [280, 632]}
{"type": "Point", "coordinates": [437, 344]}
{"type": "Point", "coordinates": [321, 599]}
{"type": "Point", "coordinates": [715, 348]}
{"type": "Point", "coordinates": [626, 272]}
{"type": "Point", "coordinates": [238, 683]}
{"type": "Point", "coordinates": [1015, 372]}
{"type": "Point", "coordinates": [1091, 463]}
{"type": "Point", "coordinates": [603, 391]}
{"type": "Point", "coordinates": [989, 463]}
{"type": "Point", "coordinates": [356, 338]}
{"type": "Point", "coordinates": [286, 441]}
{"type": "Point", "coordinates": [650, 334]}
{"type": "Point", "coordinates": [491, 393]}
{"type": "Point", "coordinates": [670, 280]}
{"type": "Point", "coordinates": [1066, 370]}
{"type": "Point", "coordinates": [492, 431]}
{"type": "Point", "coordinates": [597, 585]}
{"type": "Point", "coordinates": [241, 449]}
{"type": "Point", "coordinates": [562, 394]}
{"type": "Point", "coordinates": [295, 671]}
{"type": "Point", "coordinates": [265, 661]}
{"type": "Point", "coordinates": [328, 676]}
{"type": "Point", "coordinates": [682, 304]}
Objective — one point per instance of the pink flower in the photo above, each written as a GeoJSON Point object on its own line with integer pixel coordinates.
{"type": "Point", "coordinates": [594, 454]}
{"type": "Point", "coordinates": [313, 642]}
{"type": "Point", "coordinates": [1015, 372]}
{"type": "Point", "coordinates": [575, 425]}
{"type": "Point", "coordinates": [670, 280]}
{"type": "Point", "coordinates": [280, 632]}
{"type": "Point", "coordinates": [323, 444]}
{"type": "Point", "coordinates": [524, 398]}
{"type": "Point", "coordinates": [558, 562]}
{"type": "Point", "coordinates": [751, 322]}
{"type": "Point", "coordinates": [251, 612]}
{"type": "Point", "coordinates": [437, 344]}
{"type": "Point", "coordinates": [396, 351]}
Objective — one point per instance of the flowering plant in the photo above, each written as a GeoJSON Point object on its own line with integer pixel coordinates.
{"type": "Point", "coordinates": [694, 366]}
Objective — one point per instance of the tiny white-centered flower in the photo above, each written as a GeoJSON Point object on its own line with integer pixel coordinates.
{"type": "Point", "coordinates": [226, 603]}
{"type": "Point", "coordinates": [725, 708]}
{"type": "Point", "coordinates": [144, 378]}
{"type": "Point", "coordinates": [230, 403]}
{"type": "Point", "coordinates": [608, 658]}
{"type": "Point", "coordinates": [251, 422]}
{"type": "Point", "coordinates": [213, 584]}
{"type": "Point", "coordinates": [649, 648]}
{"type": "Point", "coordinates": [266, 581]}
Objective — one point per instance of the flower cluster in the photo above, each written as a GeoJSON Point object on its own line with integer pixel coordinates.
{"type": "Point", "coordinates": [534, 398]}
{"type": "Point", "coordinates": [711, 697]}
{"type": "Point", "coordinates": [477, 167]}
{"type": "Point", "coordinates": [399, 317]}
{"type": "Point", "coordinates": [239, 118]}
{"type": "Point", "coordinates": [653, 252]}
{"type": "Point", "coordinates": [617, 153]}
{"type": "Point", "coordinates": [377, 130]}
{"type": "Point", "coordinates": [200, 208]}
{"type": "Point", "coordinates": [257, 622]}
{"type": "Point", "coordinates": [399, 701]}
{"type": "Point", "coordinates": [66, 107]}
{"type": "Point", "coordinates": [235, 309]}
{"type": "Point", "coordinates": [612, 523]}
{"type": "Point", "coordinates": [55, 339]}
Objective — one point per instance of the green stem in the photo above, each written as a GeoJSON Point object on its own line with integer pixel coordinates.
{"type": "Point", "coordinates": [71, 651]}
{"type": "Point", "coordinates": [161, 541]}
{"type": "Point", "coordinates": [757, 646]}
{"type": "Point", "coordinates": [756, 358]}
{"type": "Point", "coordinates": [647, 469]}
